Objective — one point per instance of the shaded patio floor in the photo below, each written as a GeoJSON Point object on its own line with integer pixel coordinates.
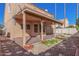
{"type": "Point", "coordinates": [36, 39]}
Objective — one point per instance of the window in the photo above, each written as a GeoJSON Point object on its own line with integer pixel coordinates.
{"type": "Point", "coordinates": [36, 28]}
{"type": "Point", "coordinates": [44, 26]}
{"type": "Point", "coordinates": [28, 26]}
{"type": "Point", "coordinates": [21, 26]}
{"type": "Point", "coordinates": [39, 27]}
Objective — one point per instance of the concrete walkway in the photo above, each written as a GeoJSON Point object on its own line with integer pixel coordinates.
{"type": "Point", "coordinates": [10, 48]}
{"type": "Point", "coordinates": [67, 47]}
{"type": "Point", "coordinates": [40, 47]}
{"type": "Point", "coordinates": [36, 39]}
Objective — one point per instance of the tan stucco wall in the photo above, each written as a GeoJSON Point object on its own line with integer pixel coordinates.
{"type": "Point", "coordinates": [14, 28]}
{"type": "Point", "coordinates": [11, 25]}
{"type": "Point", "coordinates": [65, 22]}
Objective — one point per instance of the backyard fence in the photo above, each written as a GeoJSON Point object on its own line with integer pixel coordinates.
{"type": "Point", "coordinates": [66, 30]}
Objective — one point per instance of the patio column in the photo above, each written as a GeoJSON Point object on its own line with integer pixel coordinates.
{"type": "Point", "coordinates": [41, 30]}
{"type": "Point", "coordinates": [54, 28]}
{"type": "Point", "coordinates": [24, 28]}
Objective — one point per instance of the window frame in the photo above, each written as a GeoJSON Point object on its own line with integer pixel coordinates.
{"type": "Point", "coordinates": [28, 27]}
{"type": "Point", "coordinates": [36, 28]}
{"type": "Point", "coordinates": [21, 26]}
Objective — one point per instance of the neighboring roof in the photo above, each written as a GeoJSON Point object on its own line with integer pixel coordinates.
{"type": "Point", "coordinates": [35, 10]}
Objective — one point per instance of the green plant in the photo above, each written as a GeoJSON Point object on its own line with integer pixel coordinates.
{"type": "Point", "coordinates": [77, 24]}
{"type": "Point", "coordinates": [71, 26]}
{"type": "Point", "coordinates": [77, 27]}
{"type": "Point", "coordinates": [60, 37]}
{"type": "Point", "coordinates": [51, 42]}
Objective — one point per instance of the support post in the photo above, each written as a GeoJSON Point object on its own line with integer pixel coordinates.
{"type": "Point", "coordinates": [55, 29]}
{"type": "Point", "coordinates": [55, 19]}
{"type": "Point", "coordinates": [64, 13]}
{"type": "Point", "coordinates": [41, 30]}
{"type": "Point", "coordinates": [77, 11]}
{"type": "Point", "coordinates": [24, 28]}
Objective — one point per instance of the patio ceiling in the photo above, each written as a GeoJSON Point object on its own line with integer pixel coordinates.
{"type": "Point", "coordinates": [32, 15]}
{"type": "Point", "coordinates": [29, 17]}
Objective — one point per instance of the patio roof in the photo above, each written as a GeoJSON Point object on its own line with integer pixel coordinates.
{"type": "Point", "coordinates": [40, 14]}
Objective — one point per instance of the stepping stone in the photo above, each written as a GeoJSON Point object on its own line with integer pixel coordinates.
{"type": "Point", "coordinates": [47, 54]}
{"type": "Point", "coordinates": [19, 52]}
{"type": "Point", "coordinates": [9, 43]}
{"type": "Point", "coordinates": [4, 46]}
{"type": "Point", "coordinates": [62, 46]}
{"type": "Point", "coordinates": [1, 53]}
{"type": "Point", "coordinates": [60, 54]}
{"type": "Point", "coordinates": [26, 53]}
{"type": "Point", "coordinates": [0, 47]}
{"type": "Point", "coordinates": [7, 53]}
{"type": "Point", "coordinates": [17, 48]}
{"type": "Point", "coordinates": [14, 44]}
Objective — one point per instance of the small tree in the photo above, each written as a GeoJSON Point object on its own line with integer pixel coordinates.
{"type": "Point", "coordinates": [77, 24]}
{"type": "Point", "coordinates": [1, 27]}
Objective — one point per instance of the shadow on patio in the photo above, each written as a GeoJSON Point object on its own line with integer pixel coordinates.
{"type": "Point", "coordinates": [36, 39]}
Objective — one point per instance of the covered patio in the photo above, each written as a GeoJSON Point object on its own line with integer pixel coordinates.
{"type": "Point", "coordinates": [34, 23]}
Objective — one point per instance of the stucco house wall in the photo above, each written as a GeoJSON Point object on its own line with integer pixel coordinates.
{"type": "Point", "coordinates": [13, 26]}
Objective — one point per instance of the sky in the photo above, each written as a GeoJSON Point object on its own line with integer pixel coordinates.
{"type": "Point", "coordinates": [2, 7]}
{"type": "Point", "coordinates": [70, 11]}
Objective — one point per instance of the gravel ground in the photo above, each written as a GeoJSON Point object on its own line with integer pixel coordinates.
{"type": "Point", "coordinates": [67, 47]}
{"type": "Point", "coordinates": [10, 48]}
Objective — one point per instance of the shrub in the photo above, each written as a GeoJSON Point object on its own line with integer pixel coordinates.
{"type": "Point", "coordinates": [77, 27]}
{"type": "Point", "coordinates": [50, 42]}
